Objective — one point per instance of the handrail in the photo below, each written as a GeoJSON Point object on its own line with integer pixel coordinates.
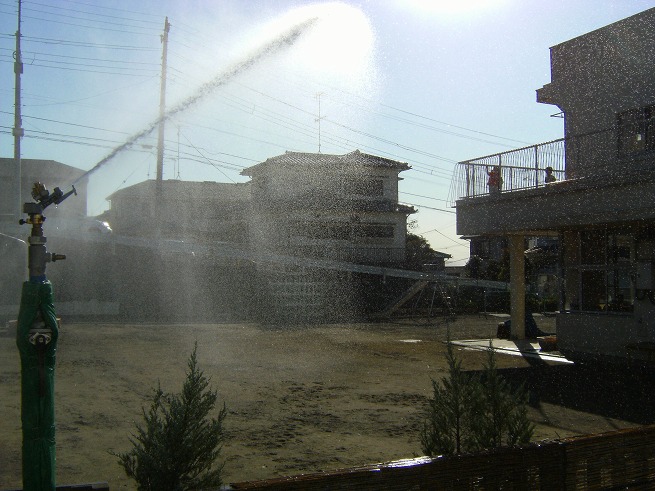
{"type": "Point", "coordinates": [522, 168]}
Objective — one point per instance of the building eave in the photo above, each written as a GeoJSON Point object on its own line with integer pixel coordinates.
{"type": "Point", "coordinates": [299, 159]}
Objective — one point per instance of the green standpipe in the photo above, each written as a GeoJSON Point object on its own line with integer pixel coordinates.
{"type": "Point", "coordinates": [36, 339]}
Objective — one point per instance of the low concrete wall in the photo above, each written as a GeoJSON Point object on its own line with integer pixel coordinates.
{"type": "Point", "coordinates": [595, 334]}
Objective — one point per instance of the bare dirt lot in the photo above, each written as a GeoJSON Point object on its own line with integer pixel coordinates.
{"type": "Point", "coordinates": [300, 399]}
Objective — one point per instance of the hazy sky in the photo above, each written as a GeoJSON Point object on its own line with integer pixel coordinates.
{"type": "Point", "coordinates": [425, 82]}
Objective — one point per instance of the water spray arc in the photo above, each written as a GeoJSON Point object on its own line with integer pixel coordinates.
{"type": "Point", "coordinates": [36, 339]}
{"type": "Point", "coordinates": [283, 41]}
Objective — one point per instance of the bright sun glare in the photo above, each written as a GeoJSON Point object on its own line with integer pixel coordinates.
{"type": "Point", "coordinates": [339, 44]}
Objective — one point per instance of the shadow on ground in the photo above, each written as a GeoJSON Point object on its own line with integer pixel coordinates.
{"type": "Point", "coordinates": [605, 390]}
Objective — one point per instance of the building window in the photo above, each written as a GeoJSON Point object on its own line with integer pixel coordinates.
{"type": "Point", "coordinates": [367, 187]}
{"type": "Point", "coordinates": [636, 130]}
{"type": "Point", "coordinates": [372, 231]}
{"type": "Point", "coordinates": [321, 230]}
{"type": "Point", "coordinates": [603, 270]}
{"type": "Point", "coordinates": [342, 230]}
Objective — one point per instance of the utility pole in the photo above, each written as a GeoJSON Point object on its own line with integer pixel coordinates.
{"type": "Point", "coordinates": [177, 175]}
{"type": "Point", "coordinates": [17, 131]}
{"type": "Point", "coordinates": [162, 105]}
{"type": "Point", "coordinates": [318, 120]}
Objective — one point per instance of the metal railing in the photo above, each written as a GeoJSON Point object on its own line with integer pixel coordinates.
{"type": "Point", "coordinates": [363, 255]}
{"type": "Point", "coordinates": [523, 168]}
{"type": "Point", "coordinates": [616, 153]}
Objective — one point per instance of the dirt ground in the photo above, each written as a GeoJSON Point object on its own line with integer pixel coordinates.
{"type": "Point", "coordinates": [300, 399]}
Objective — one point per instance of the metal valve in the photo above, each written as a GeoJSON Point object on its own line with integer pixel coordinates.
{"type": "Point", "coordinates": [39, 337]}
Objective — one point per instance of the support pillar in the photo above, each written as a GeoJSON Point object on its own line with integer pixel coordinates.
{"type": "Point", "coordinates": [517, 285]}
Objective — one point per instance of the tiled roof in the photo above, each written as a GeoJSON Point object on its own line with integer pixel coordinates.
{"type": "Point", "coordinates": [320, 159]}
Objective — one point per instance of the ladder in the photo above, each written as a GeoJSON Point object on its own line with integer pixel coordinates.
{"type": "Point", "coordinates": [413, 290]}
{"type": "Point", "coordinates": [445, 298]}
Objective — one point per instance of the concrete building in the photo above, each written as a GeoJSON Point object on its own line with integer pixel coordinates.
{"type": "Point", "coordinates": [486, 247]}
{"type": "Point", "coordinates": [166, 239]}
{"type": "Point", "coordinates": [200, 211]}
{"type": "Point", "coordinates": [601, 206]}
{"type": "Point", "coordinates": [62, 222]}
{"type": "Point", "coordinates": [49, 172]}
{"type": "Point", "coordinates": [341, 207]}
{"type": "Point", "coordinates": [328, 207]}
{"type": "Point", "coordinates": [311, 237]}
{"type": "Point", "coordinates": [314, 207]}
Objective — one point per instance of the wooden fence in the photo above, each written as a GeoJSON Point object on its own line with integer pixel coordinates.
{"type": "Point", "coordinates": [623, 459]}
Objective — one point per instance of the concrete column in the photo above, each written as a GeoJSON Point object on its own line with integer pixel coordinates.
{"type": "Point", "coordinates": [570, 258]}
{"type": "Point", "coordinates": [517, 285]}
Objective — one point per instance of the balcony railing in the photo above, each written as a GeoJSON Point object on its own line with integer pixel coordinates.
{"type": "Point", "coordinates": [617, 153]}
{"type": "Point", "coordinates": [523, 168]}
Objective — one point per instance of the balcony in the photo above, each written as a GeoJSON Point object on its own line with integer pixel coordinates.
{"type": "Point", "coordinates": [602, 176]}
{"type": "Point", "coordinates": [618, 154]}
{"type": "Point", "coordinates": [520, 169]}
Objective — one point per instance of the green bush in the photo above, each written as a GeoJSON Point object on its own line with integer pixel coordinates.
{"type": "Point", "coordinates": [179, 443]}
{"type": "Point", "coordinates": [470, 413]}
{"type": "Point", "coordinates": [498, 411]}
{"type": "Point", "coordinates": [447, 429]}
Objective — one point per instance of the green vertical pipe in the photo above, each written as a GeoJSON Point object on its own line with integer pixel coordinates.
{"type": "Point", "coordinates": [37, 405]}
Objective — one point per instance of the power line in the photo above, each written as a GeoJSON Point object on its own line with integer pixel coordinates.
{"type": "Point", "coordinates": [74, 101]}
{"type": "Point", "coordinates": [89, 139]}
{"type": "Point", "coordinates": [295, 127]}
{"type": "Point", "coordinates": [69, 124]}
{"type": "Point", "coordinates": [74, 24]}
{"type": "Point", "coordinates": [84, 58]}
{"type": "Point", "coordinates": [431, 172]}
{"type": "Point", "coordinates": [84, 44]}
{"type": "Point", "coordinates": [420, 116]}
{"type": "Point", "coordinates": [363, 133]}
{"type": "Point", "coordinates": [352, 129]}
{"type": "Point", "coordinates": [104, 16]}
{"type": "Point", "coordinates": [90, 65]}
{"type": "Point", "coordinates": [426, 197]}
{"type": "Point", "coordinates": [433, 128]}
{"type": "Point", "coordinates": [95, 5]}
{"type": "Point", "coordinates": [444, 235]}
{"type": "Point", "coordinates": [82, 138]}
{"type": "Point", "coordinates": [430, 208]}
{"type": "Point", "coordinates": [83, 70]}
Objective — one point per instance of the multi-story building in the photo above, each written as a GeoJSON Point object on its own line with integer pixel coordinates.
{"type": "Point", "coordinates": [71, 215]}
{"type": "Point", "coordinates": [49, 172]}
{"type": "Point", "coordinates": [200, 211]}
{"type": "Point", "coordinates": [341, 207]}
{"type": "Point", "coordinates": [329, 207]}
{"type": "Point", "coordinates": [297, 210]}
{"type": "Point", "coordinates": [601, 205]}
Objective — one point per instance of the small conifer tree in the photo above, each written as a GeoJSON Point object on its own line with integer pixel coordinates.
{"type": "Point", "coordinates": [471, 413]}
{"type": "Point", "coordinates": [501, 411]}
{"type": "Point", "coordinates": [446, 429]}
{"type": "Point", "coordinates": [177, 447]}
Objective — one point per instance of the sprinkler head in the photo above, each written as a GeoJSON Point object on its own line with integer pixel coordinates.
{"type": "Point", "coordinates": [44, 198]}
